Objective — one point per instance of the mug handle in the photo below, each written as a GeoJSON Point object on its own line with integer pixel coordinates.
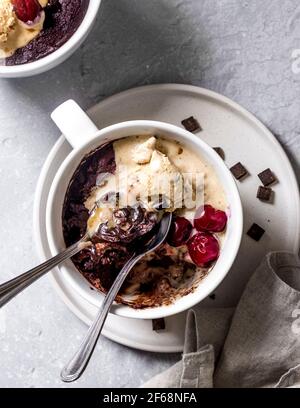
{"type": "Point", "coordinates": [74, 123]}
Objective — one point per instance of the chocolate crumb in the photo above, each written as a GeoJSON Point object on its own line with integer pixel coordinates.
{"type": "Point", "coordinates": [180, 150]}
{"type": "Point", "coordinates": [191, 124]}
{"type": "Point", "coordinates": [239, 171]}
{"type": "Point", "coordinates": [267, 177]}
{"type": "Point", "coordinates": [220, 152]}
{"type": "Point", "coordinates": [212, 297]}
{"type": "Point", "coordinates": [158, 324]}
{"type": "Point", "coordinates": [265, 194]}
{"type": "Point", "coordinates": [256, 232]}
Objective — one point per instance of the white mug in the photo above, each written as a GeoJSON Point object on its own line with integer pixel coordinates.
{"type": "Point", "coordinates": [84, 137]}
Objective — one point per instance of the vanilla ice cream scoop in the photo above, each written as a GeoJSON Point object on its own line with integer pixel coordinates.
{"type": "Point", "coordinates": [142, 153]}
{"type": "Point", "coordinates": [147, 173]}
{"type": "Point", "coordinates": [164, 179]}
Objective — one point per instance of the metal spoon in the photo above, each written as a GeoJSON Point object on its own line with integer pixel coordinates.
{"type": "Point", "coordinates": [12, 288]}
{"type": "Point", "coordinates": [73, 370]}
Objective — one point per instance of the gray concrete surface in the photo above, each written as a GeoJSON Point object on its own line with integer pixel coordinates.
{"type": "Point", "coordinates": [240, 48]}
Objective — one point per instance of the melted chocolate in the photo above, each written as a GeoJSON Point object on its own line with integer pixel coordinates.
{"type": "Point", "coordinates": [130, 223]}
{"type": "Point", "coordinates": [156, 279]}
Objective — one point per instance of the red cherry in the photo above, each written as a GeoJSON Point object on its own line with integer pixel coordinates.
{"type": "Point", "coordinates": [204, 249]}
{"type": "Point", "coordinates": [180, 232]}
{"type": "Point", "coordinates": [209, 219]}
{"type": "Point", "coordinates": [26, 10]}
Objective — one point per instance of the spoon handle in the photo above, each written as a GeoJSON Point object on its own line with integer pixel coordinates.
{"type": "Point", "coordinates": [73, 370]}
{"type": "Point", "coordinates": [12, 288]}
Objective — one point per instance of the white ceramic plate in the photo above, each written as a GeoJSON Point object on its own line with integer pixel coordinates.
{"type": "Point", "coordinates": [244, 139]}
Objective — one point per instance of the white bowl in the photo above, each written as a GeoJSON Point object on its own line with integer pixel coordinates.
{"type": "Point", "coordinates": [76, 125]}
{"type": "Point", "coordinates": [61, 54]}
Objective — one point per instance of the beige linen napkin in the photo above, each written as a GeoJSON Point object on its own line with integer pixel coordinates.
{"type": "Point", "coordinates": [255, 345]}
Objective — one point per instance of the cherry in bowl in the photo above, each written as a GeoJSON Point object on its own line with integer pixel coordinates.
{"type": "Point", "coordinates": [204, 249]}
{"type": "Point", "coordinates": [180, 232]}
{"type": "Point", "coordinates": [210, 219]}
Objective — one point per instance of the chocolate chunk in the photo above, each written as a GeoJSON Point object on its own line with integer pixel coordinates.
{"type": "Point", "coordinates": [212, 297]}
{"type": "Point", "coordinates": [256, 232]}
{"type": "Point", "coordinates": [191, 124]}
{"type": "Point", "coordinates": [265, 194]}
{"type": "Point", "coordinates": [158, 324]}
{"type": "Point", "coordinates": [267, 177]}
{"type": "Point", "coordinates": [220, 152]}
{"type": "Point", "coordinates": [239, 171]}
